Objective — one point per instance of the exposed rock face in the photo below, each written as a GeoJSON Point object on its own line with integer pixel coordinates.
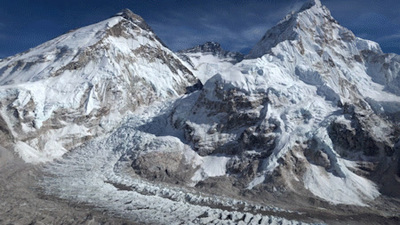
{"type": "Point", "coordinates": [163, 166]}
{"type": "Point", "coordinates": [70, 89]}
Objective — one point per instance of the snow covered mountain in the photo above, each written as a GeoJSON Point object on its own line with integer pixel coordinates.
{"type": "Point", "coordinates": [305, 127]}
{"type": "Point", "coordinates": [62, 93]}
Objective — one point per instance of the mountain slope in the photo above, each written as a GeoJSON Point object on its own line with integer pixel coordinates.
{"type": "Point", "coordinates": [65, 91]}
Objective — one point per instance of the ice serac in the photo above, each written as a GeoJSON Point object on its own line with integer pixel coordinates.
{"type": "Point", "coordinates": [66, 91]}
{"type": "Point", "coordinates": [312, 110]}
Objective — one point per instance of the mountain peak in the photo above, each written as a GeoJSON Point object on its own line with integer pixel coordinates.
{"type": "Point", "coordinates": [309, 4]}
{"type": "Point", "coordinates": [129, 15]}
{"type": "Point", "coordinates": [310, 22]}
{"type": "Point", "coordinates": [138, 20]}
{"type": "Point", "coordinates": [208, 47]}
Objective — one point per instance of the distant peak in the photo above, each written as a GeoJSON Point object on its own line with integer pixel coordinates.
{"type": "Point", "coordinates": [211, 43]}
{"type": "Point", "coordinates": [129, 15]}
{"type": "Point", "coordinates": [208, 47]}
{"type": "Point", "coordinates": [215, 49]}
{"type": "Point", "coordinates": [310, 3]}
{"type": "Point", "coordinates": [211, 46]}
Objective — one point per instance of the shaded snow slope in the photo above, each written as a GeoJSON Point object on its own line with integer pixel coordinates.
{"type": "Point", "coordinates": [63, 92]}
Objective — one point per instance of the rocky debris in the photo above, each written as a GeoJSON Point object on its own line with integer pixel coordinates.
{"type": "Point", "coordinates": [163, 166]}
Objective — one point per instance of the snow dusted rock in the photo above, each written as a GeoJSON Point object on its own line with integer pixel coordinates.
{"type": "Point", "coordinates": [70, 89]}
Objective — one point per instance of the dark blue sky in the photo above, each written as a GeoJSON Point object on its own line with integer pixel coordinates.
{"type": "Point", "coordinates": [236, 24]}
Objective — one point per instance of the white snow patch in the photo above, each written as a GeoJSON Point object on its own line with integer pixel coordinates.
{"type": "Point", "coordinates": [34, 156]}
{"type": "Point", "coordinates": [256, 181]}
{"type": "Point", "coordinates": [211, 166]}
{"type": "Point", "coordinates": [351, 189]}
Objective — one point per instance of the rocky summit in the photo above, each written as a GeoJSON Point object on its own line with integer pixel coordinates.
{"type": "Point", "coordinates": [303, 129]}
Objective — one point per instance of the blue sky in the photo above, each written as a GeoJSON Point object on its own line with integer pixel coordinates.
{"type": "Point", "coordinates": [236, 24]}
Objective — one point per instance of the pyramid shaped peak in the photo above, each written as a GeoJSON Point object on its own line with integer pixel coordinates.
{"type": "Point", "coordinates": [300, 24]}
